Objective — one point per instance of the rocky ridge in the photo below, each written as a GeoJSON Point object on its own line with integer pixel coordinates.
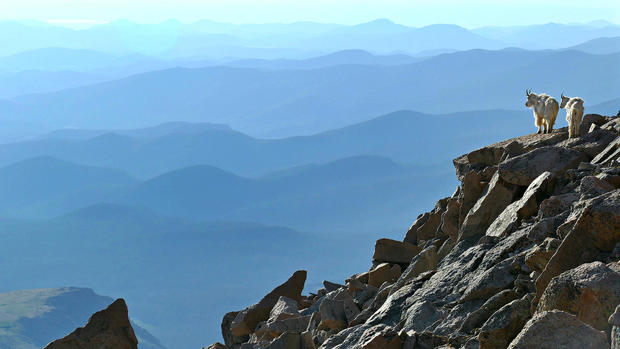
{"type": "Point", "coordinates": [106, 329]}
{"type": "Point", "coordinates": [524, 254]}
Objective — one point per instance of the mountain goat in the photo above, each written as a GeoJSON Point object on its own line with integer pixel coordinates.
{"type": "Point", "coordinates": [574, 113]}
{"type": "Point", "coordinates": [545, 110]}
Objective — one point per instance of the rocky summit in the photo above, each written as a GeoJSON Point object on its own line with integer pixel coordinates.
{"type": "Point", "coordinates": [524, 254]}
{"type": "Point", "coordinates": [106, 329]}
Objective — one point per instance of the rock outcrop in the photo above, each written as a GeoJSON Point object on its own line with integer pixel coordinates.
{"type": "Point", "coordinates": [107, 329]}
{"type": "Point", "coordinates": [246, 320]}
{"type": "Point", "coordinates": [524, 254]}
{"type": "Point", "coordinates": [557, 329]}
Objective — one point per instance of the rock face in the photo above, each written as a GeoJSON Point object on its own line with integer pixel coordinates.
{"type": "Point", "coordinates": [106, 329]}
{"type": "Point", "coordinates": [557, 329]}
{"type": "Point", "coordinates": [614, 322]}
{"type": "Point", "coordinates": [591, 292]}
{"type": "Point", "coordinates": [524, 254]}
{"type": "Point", "coordinates": [392, 251]}
{"type": "Point", "coordinates": [246, 320]}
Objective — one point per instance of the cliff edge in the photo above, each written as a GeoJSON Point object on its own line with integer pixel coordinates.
{"type": "Point", "coordinates": [524, 254]}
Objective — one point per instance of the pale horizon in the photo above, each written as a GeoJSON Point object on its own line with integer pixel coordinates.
{"type": "Point", "coordinates": [420, 13]}
{"type": "Point", "coordinates": [84, 23]}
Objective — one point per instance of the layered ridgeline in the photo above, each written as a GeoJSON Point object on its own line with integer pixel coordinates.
{"type": "Point", "coordinates": [525, 254]}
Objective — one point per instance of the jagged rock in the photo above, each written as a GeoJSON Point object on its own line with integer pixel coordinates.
{"type": "Point", "coordinates": [410, 339]}
{"type": "Point", "coordinates": [538, 257]}
{"type": "Point", "coordinates": [496, 197]}
{"type": "Point", "coordinates": [424, 261]}
{"type": "Point", "coordinates": [614, 322]}
{"type": "Point", "coordinates": [386, 338]}
{"type": "Point", "coordinates": [450, 219]}
{"type": "Point", "coordinates": [333, 316]}
{"type": "Point", "coordinates": [275, 327]}
{"type": "Point", "coordinates": [315, 320]}
{"type": "Point", "coordinates": [609, 155]}
{"type": "Point", "coordinates": [320, 337]}
{"type": "Point", "coordinates": [395, 272]}
{"type": "Point", "coordinates": [106, 329]}
{"type": "Point", "coordinates": [392, 251]}
{"type": "Point", "coordinates": [361, 277]}
{"type": "Point", "coordinates": [597, 229]}
{"type": "Point", "coordinates": [365, 294]}
{"type": "Point", "coordinates": [284, 308]}
{"type": "Point", "coordinates": [523, 208]}
{"type": "Point", "coordinates": [480, 315]}
{"type": "Point", "coordinates": [287, 340]}
{"type": "Point", "coordinates": [429, 340]}
{"type": "Point", "coordinates": [494, 154]}
{"type": "Point", "coordinates": [445, 249]}
{"type": "Point", "coordinates": [306, 341]}
{"type": "Point", "coordinates": [426, 226]}
{"type": "Point", "coordinates": [592, 186]}
{"type": "Point", "coordinates": [557, 329]}
{"type": "Point", "coordinates": [590, 291]}
{"type": "Point", "coordinates": [591, 144]}
{"type": "Point", "coordinates": [246, 320]}
{"type": "Point", "coordinates": [589, 120]}
{"type": "Point", "coordinates": [499, 277]}
{"type": "Point", "coordinates": [556, 205]}
{"type": "Point", "coordinates": [610, 178]}
{"type": "Point", "coordinates": [371, 306]}
{"type": "Point", "coordinates": [505, 324]}
{"type": "Point", "coordinates": [471, 192]}
{"type": "Point", "coordinates": [612, 125]}
{"type": "Point", "coordinates": [216, 346]}
{"type": "Point", "coordinates": [412, 234]}
{"type": "Point", "coordinates": [379, 275]}
{"type": "Point", "coordinates": [428, 230]}
{"type": "Point", "coordinates": [347, 338]}
{"type": "Point", "coordinates": [421, 315]}
{"type": "Point", "coordinates": [331, 286]}
{"type": "Point", "coordinates": [351, 310]}
{"type": "Point", "coordinates": [523, 169]}
{"type": "Point", "coordinates": [232, 341]}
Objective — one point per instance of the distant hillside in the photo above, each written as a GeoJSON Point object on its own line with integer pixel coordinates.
{"type": "Point", "coordinates": [185, 128]}
{"type": "Point", "coordinates": [46, 184]}
{"type": "Point", "coordinates": [599, 46]}
{"type": "Point", "coordinates": [555, 35]}
{"type": "Point", "coordinates": [352, 56]}
{"type": "Point", "coordinates": [396, 135]}
{"type": "Point", "coordinates": [182, 267]}
{"type": "Point", "coordinates": [315, 198]}
{"type": "Point", "coordinates": [331, 197]}
{"type": "Point", "coordinates": [293, 102]}
{"type": "Point", "coordinates": [30, 319]}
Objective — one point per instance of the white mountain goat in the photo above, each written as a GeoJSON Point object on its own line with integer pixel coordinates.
{"type": "Point", "coordinates": [545, 110]}
{"type": "Point", "coordinates": [574, 113]}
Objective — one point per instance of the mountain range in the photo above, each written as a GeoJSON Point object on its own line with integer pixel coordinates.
{"type": "Point", "coordinates": [218, 40]}
{"type": "Point", "coordinates": [278, 103]}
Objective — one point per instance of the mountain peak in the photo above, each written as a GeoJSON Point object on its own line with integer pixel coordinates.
{"type": "Point", "coordinates": [513, 200]}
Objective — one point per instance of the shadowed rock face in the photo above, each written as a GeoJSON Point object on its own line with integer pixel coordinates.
{"type": "Point", "coordinates": [106, 329]}
{"type": "Point", "coordinates": [246, 320]}
{"type": "Point", "coordinates": [524, 254]}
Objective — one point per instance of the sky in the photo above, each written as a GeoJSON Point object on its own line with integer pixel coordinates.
{"type": "Point", "coordinates": [409, 12]}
